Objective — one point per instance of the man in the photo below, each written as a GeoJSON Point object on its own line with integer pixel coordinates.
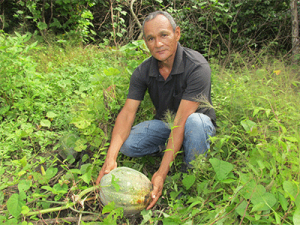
{"type": "Point", "coordinates": [175, 78]}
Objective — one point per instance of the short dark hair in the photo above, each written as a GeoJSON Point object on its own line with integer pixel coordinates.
{"type": "Point", "coordinates": [152, 15]}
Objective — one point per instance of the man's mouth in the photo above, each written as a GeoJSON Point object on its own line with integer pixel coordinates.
{"type": "Point", "coordinates": [161, 51]}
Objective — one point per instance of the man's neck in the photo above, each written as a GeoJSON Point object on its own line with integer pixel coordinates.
{"type": "Point", "coordinates": [165, 67]}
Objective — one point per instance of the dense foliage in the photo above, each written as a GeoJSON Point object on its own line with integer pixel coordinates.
{"type": "Point", "coordinates": [64, 99]}
{"type": "Point", "coordinates": [62, 85]}
{"type": "Point", "coordinates": [217, 28]}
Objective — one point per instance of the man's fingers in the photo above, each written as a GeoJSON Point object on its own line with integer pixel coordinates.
{"type": "Point", "coordinates": [105, 171]}
{"type": "Point", "coordinates": [101, 174]}
{"type": "Point", "coordinates": [154, 200]}
{"type": "Point", "coordinates": [155, 196]}
{"type": "Point", "coordinates": [99, 178]}
{"type": "Point", "coordinates": [154, 192]}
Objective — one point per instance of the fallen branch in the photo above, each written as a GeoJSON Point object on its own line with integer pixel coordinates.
{"type": "Point", "coordinates": [77, 199]}
{"type": "Point", "coordinates": [63, 220]}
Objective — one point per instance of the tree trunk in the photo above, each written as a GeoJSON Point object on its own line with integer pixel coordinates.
{"type": "Point", "coordinates": [295, 31]}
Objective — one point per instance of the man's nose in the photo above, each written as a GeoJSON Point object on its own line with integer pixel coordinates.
{"type": "Point", "coordinates": [158, 43]}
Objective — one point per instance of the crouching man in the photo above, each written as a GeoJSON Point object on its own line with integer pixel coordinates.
{"type": "Point", "coordinates": [175, 77]}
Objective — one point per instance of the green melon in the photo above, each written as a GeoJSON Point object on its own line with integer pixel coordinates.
{"type": "Point", "coordinates": [134, 190]}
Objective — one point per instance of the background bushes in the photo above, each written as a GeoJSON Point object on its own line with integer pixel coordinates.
{"type": "Point", "coordinates": [215, 28]}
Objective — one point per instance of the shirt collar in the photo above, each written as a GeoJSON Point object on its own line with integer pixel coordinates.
{"type": "Point", "coordinates": [178, 65]}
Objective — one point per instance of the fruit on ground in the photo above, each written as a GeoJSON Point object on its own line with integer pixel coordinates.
{"type": "Point", "coordinates": [126, 187]}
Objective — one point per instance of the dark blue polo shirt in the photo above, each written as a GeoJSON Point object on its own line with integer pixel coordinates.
{"type": "Point", "coordinates": [190, 79]}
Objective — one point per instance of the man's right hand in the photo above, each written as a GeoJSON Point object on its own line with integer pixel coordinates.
{"type": "Point", "coordinates": [106, 168]}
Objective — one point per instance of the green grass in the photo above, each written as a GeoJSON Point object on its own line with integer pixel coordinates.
{"type": "Point", "coordinates": [55, 99]}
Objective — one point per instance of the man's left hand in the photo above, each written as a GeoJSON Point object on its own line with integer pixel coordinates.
{"type": "Point", "coordinates": [158, 184]}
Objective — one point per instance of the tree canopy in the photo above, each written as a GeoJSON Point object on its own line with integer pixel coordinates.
{"type": "Point", "coordinates": [216, 28]}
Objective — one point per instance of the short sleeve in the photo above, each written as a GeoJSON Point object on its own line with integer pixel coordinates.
{"type": "Point", "coordinates": [198, 83]}
{"type": "Point", "coordinates": [138, 86]}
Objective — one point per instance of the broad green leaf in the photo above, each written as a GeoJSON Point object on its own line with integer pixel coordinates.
{"type": "Point", "coordinates": [14, 205]}
{"type": "Point", "coordinates": [23, 186]}
{"type": "Point", "coordinates": [80, 145]}
{"type": "Point", "coordinates": [86, 170]}
{"type": "Point", "coordinates": [147, 214]}
{"type": "Point", "coordinates": [258, 207]}
{"type": "Point", "coordinates": [241, 209]}
{"type": "Point", "coordinates": [25, 210]}
{"type": "Point", "coordinates": [195, 203]}
{"type": "Point", "coordinates": [268, 112]}
{"type": "Point", "coordinates": [12, 221]}
{"type": "Point", "coordinates": [111, 71]}
{"type": "Point", "coordinates": [291, 139]}
{"type": "Point", "coordinates": [85, 157]}
{"type": "Point", "coordinates": [296, 216]}
{"type": "Point", "coordinates": [60, 189]}
{"type": "Point", "coordinates": [51, 114]}
{"type": "Point", "coordinates": [48, 188]}
{"type": "Point", "coordinates": [42, 25]}
{"type": "Point", "coordinates": [297, 201]}
{"type": "Point", "coordinates": [23, 161]}
{"type": "Point", "coordinates": [283, 202]}
{"type": "Point", "coordinates": [55, 23]}
{"type": "Point", "coordinates": [188, 181]}
{"type": "Point", "coordinates": [108, 208]}
{"type": "Point", "coordinates": [114, 182]}
{"type": "Point", "coordinates": [262, 200]}
{"type": "Point", "coordinates": [228, 181]}
{"type": "Point", "coordinates": [51, 172]}
{"type": "Point", "coordinates": [254, 169]}
{"type": "Point", "coordinates": [188, 222]}
{"type": "Point", "coordinates": [277, 218]}
{"type": "Point", "coordinates": [75, 171]}
{"type": "Point", "coordinates": [248, 125]}
{"type": "Point", "coordinates": [290, 188]}
{"type": "Point", "coordinates": [45, 123]}
{"type": "Point", "coordinates": [172, 220]}
{"type": "Point", "coordinates": [1, 197]}
{"type": "Point", "coordinates": [221, 168]}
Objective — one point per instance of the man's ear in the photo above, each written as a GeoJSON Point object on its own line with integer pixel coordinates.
{"type": "Point", "coordinates": [177, 33]}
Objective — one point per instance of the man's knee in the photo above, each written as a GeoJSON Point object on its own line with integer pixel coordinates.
{"type": "Point", "coordinates": [128, 150]}
{"type": "Point", "coordinates": [199, 122]}
{"type": "Point", "coordinates": [198, 129]}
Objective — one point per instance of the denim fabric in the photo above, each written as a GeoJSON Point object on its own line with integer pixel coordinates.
{"type": "Point", "coordinates": [145, 137]}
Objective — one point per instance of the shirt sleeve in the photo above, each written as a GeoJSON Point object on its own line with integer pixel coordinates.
{"type": "Point", "coordinates": [137, 87]}
{"type": "Point", "coordinates": [198, 83]}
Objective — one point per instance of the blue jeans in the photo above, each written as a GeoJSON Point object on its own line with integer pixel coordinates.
{"type": "Point", "coordinates": [145, 137]}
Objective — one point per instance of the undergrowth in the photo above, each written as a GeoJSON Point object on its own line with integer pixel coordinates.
{"type": "Point", "coordinates": [58, 106]}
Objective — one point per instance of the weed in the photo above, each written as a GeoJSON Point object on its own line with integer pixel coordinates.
{"type": "Point", "coordinates": [58, 106]}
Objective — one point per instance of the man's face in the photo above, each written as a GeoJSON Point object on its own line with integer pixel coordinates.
{"type": "Point", "coordinates": [160, 38]}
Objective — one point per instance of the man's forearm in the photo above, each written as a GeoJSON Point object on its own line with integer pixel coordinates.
{"type": "Point", "coordinates": [120, 133]}
{"type": "Point", "coordinates": [173, 146]}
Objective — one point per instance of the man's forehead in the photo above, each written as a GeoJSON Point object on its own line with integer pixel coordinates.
{"type": "Point", "coordinates": [158, 25]}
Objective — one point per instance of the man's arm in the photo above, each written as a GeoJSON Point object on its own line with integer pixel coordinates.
{"type": "Point", "coordinates": [186, 108]}
{"type": "Point", "coordinates": [120, 133]}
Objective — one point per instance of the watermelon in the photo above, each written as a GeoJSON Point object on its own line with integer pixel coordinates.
{"type": "Point", "coordinates": [127, 188]}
